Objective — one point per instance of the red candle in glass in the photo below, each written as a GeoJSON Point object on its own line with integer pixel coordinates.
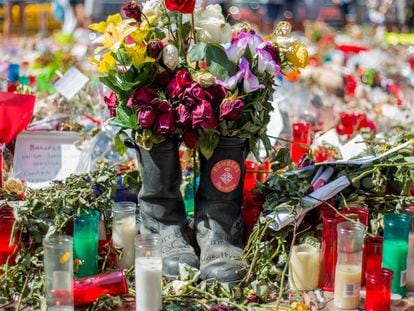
{"type": "Point", "coordinates": [89, 289]}
{"type": "Point", "coordinates": [251, 209]}
{"type": "Point", "coordinates": [373, 248]}
{"type": "Point", "coordinates": [330, 220]}
{"type": "Point", "coordinates": [378, 290]}
{"type": "Point", "coordinates": [7, 251]}
{"type": "Point", "coordinates": [250, 176]}
{"type": "Point", "coordinates": [264, 170]}
{"type": "Point", "coordinates": [300, 141]}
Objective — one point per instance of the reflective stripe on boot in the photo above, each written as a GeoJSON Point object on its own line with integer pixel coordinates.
{"type": "Point", "coordinates": [218, 211]}
{"type": "Point", "coordinates": [162, 206]}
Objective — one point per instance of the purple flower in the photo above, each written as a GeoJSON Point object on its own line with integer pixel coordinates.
{"type": "Point", "coordinates": [203, 116]}
{"type": "Point", "coordinates": [251, 40]}
{"type": "Point", "coordinates": [270, 48]}
{"type": "Point", "coordinates": [141, 96]}
{"type": "Point", "coordinates": [183, 116]}
{"type": "Point", "coordinates": [146, 117]}
{"type": "Point", "coordinates": [250, 81]}
{"type": "Point", "coordinates": [165, 124]}
{"type": "Point", "coordinates": [111, 102]}
{"type": "Point", "coordinates": [265, 63]}
{"type": "Point", "coordinates": [231, 109]}
{"type": "Point", "coordinates": [132, 10]}
{"type": "Point", "coordinates": [154, 48]}
{"type": "Point", "coordinates": [235, 51]}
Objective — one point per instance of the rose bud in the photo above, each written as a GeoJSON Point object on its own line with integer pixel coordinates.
{"type": "Point", "coordinates": [231, 109]}
{"type": "Point", "coordinates": [165, 124]}
{"type": "Point", "coordinates": [154, 48]}
{"type": "Point", "coordinates": [132, 10]}
{"type": "Point", "coordinates": [170, 56]}
{"type": "Point", "coordinates": [111, 102]}
{"type": "Point", "coordinates": [161, 105]}
{"type": "Point", "coordinates": [205, 79]}
{"type": "Point", "coordinates": [146, 117]}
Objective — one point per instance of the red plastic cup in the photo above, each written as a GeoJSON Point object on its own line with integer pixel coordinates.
{"type": "Point", "coordinates": [89, 289]}
{"type": "Point", "coordinates": [301, 141]}
{"type": "Point", "coordinates": [330, 220]}
{"type": "Point", "coordinates": [378, 290]}
{"type": "Point", "coordinates": [250, 176]}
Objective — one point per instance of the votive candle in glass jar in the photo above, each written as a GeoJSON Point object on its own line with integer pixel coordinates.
{"type": "Point", "coordinates": [410, 257]}
{"type": "Point", "coordinates": [395, 249]}
{"type": "Point", "coordinates": [304, 267]}
{"type": "Point", "coordinates": [86, 237]}
{"type": "Point", "coordinates": [58, 266]}
{"type": "Point", "coordinates": [301, 140]}
{"type": "Point", "coordinates": [378, 290]}
{"type": "Point", "coordinates": [124, 230]}
{"type": "Point", "coordinates": [8, 248]}
{"type": "Point", "coordinates": [148, 272]}
{"type": "Point", "coordinates": [87, 290]}
{"type": "Point", "coordinates": [349, 265]}
{"type": "Point", "coordinates": [373, 248]}
{"type": "Point", "coordinates": [250, 176]}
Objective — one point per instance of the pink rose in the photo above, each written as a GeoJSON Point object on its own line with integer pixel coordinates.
{"type": "Point", "coordinates": [111, 102]}
{"type": "Point", "coordinates": [183, 116]}
{"type": "Point", "coordinates": [141, 96]}
{"type": "Point", "coordinates": [231, 109]}
{"type": "Point", "coordinates": [165, 125]}
{"type": "Point", "coordinates": [190, 138]}
{"type": "Point", "coordinates": [203, 116]}
{"type": "Point", "coordinates": [181, 80]}
{"type": "Point", "coordinates": [146, 117]}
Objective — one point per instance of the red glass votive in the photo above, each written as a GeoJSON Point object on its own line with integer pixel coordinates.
{"type": "Point", "coordinates": [330, 220]}
{"type": "Point", "coordinates": [373, 250]}
{"type": "Point", "coordinates": [301, 140]}
{"type": "Point", "coordinates": [250, 176]}
{"type": "Point", "coordinates": [7, 251]}
{"type": "Point", "coordinates": [251, 209]}
{"type": "Point", "coordinates": [264, 170]}
{"type": "Point", "coordinates": [89, 289]}
{"type": "Point", "coordinates": [378, 290]}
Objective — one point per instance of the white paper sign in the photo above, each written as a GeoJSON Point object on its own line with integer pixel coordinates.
{"type": "Point", "coordinates": [353, 148]}
{"type": "Point", "coordinates": [71, 83]}
{"type": "Point", "coordinates": [41, 157]}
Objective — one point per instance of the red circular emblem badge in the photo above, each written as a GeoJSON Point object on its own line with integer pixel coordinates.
{"type": "Point", "coordinates": [225, 175]}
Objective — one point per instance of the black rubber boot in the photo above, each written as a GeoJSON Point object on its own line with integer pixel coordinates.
{"type": "Point", "coordinates": [218, 220]}
{"type": "Point", "coordinates": [162, 206]}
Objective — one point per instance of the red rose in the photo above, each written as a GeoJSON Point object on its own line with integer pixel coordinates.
{"type": "Point", "coordinates": [132, 10]}
{"type": "Point", "coordinates": [141, 96]}
{"type": "Point", "coordinates": [165, 124]}
{"type": "Point", "coordinates": [203, 116]}
{"type": "Point", "coordinates": [193, 94]}
{"type": "Point", "coordinates": [217, 94]}
{"type": "Point", "coordinates": [183, 6]}
{"type": "Point", "coordinates": [111, 102]}
{"type": "Point", "coordinates": [231, 109]}
{"type": "Point", "coordinates": [146, 117]}
{"type": "Point", "coordinates": [183, 116]}
{"type": "Point", "coordinates": [163, 78]}
{"type": "Point", "coordinates": [190, 138]}
{"type": "Point", "coordinates": [181, 80]}
{"type": "Point", "coordinates": [154, 48]}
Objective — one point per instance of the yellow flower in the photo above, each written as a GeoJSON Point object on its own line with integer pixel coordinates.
{"type": "Point", "coordinates": [114, 36]}
{"type": "Point", "coordinates": [106, 63]}
{"type": "Point", "coordinates": [14, 185]}
{"type": "Point", "coordinates": [101, 27]}
{"type": "Point", "coordinates": [299, 307]}
{"type": "Point", "coordinates": [137, 54]}
{"type": "Point", "coordinates": [298, 56]}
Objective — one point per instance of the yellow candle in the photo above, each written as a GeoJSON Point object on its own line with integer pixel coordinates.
{"type": "Point", "coordinates": [304, 267]}
{"type": "Point", "coordinates": [347, 286]}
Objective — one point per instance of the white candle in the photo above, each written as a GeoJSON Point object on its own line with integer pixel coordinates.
{"type": "Point", "coordinates": [148, 283]}
{"type": "Point", "coordinates": [123, 235]}
{"type": "Point", "coordinates": [304, 267]}
{"type": "Point", "coordinates": [347, 286]}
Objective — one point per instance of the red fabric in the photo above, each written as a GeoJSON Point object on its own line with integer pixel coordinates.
{"type": "Point", "coordinates": [16, 111]}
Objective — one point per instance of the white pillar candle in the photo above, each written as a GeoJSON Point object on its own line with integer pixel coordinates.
{"type": "Point", "coordinates": [148, 283]}
{"type": "Point", "coordinates": [123, 235]}
{"type": "Point", "coordinates": [347, 286]}
{"type": "Point", "coordinates": [304, 267]}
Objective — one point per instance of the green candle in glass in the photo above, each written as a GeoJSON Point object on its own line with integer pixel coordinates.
{"type": "Point", "coordinates": [395, 249]}
{"type": "Point", "coordinates": [85, 243]}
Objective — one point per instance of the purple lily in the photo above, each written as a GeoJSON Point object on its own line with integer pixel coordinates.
{"type": "Point", "coordinates": [235, 51]}
{"type": "Point", "coordinates": [251, 40]}
{"type": "Point", "coordinates": [265, 63]}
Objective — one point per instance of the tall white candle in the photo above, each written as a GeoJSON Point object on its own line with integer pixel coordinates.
{"type": "Point", "coordinates": [123, 235]}
{"type": "Point", "coordinates": [304, 267]}
{"type": "Point", "coordinates": [148, 283]}
{"type": "Point", "coordinates": [347, 286]}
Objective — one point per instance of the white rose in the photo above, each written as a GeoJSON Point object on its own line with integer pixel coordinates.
{"type": "Point", "coordinates": [284, 43]}
{"type": "Point", "coordinates": [204, 79]}
{"type": "Point", "coordinates": [211, 25]}
{"type": "Point", "coordinates": [152, 8]}
{"type": "Point", "coordinates": [170, 56]}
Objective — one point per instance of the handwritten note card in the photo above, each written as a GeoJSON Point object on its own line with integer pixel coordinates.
{"type": "Point", "coordinates": [71, 82]}
{"type": "Point", "coordinates": [41, 157]}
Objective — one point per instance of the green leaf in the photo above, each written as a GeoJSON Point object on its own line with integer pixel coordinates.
{"type": "Point", "coordinates": [197, 52]}
{"type": "Point", "coordinates": [208, 143]}
{"type": "Point", "coordinates": [217, 61]}
{"type": "Point", "coordinates": [119, 144]}
{"type": "Point", "coordinates": [125, 118]}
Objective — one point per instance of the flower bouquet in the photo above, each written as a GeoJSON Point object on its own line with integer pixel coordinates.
{"type": "Point", "coordinates": [179, 71]}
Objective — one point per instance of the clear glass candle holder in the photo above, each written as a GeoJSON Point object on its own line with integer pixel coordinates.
{"type": "Point", "coordinates": [86, 237]}
{"type": "Point", "coordinates": [148, 272]}
{"type": "Point", "coordinates": [304, 267]}
{"type": "Point", "coordinates": [58, 266]}
{"type": "Point", "coordinates": [124, 230]}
